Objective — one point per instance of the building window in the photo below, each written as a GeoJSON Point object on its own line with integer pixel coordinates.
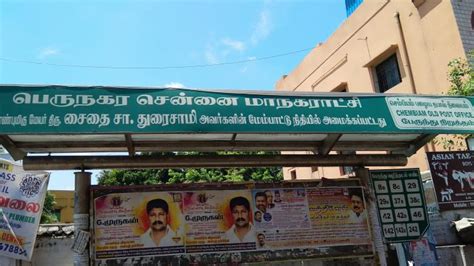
{"type": "Point", "coordinates": [57, 214]}
{"type": "Point", "coordinates": [388, 73]}
{"type": "Point", "coordinates": [293, 174]}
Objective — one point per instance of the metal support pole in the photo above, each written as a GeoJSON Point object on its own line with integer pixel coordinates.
{"type": "Point", "coordinates": [363, 174]}
{"type": "Point", "coordinates": [81, 212]}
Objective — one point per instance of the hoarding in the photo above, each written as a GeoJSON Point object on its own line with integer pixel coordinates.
{"type": "Point", "coordinates": [62, 109]}
{"type": "Point", "coordinates": [453, 178]}
{"type": "Point", "coordinates": [21, 204]}
{"type": "Point", "coordinates": [254, 223]}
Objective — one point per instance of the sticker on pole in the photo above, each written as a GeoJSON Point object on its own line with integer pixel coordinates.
{"type": "Point", "coordinates": [400, 204]}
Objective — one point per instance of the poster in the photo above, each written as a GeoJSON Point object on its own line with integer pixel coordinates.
{"type": "Point", "coordinates": [139, 224]}
{"type": "Point", "coordinates": [453, 178]}
{"type": "Point", "coordinates": [218, 221]}
{"type": "Point", "coordinates": [21, 204]}
{"type": "Point", "coordinates": [211, 222]}
{"type": "Point", "coordinates": [298, 217]}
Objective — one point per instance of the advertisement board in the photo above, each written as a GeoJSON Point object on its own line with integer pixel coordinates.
{"type": "Point", "coordinates": [21, 204]}
{"type": "Point", "coordinates": [257, 223]}
{"type": "Point", "coordinates": [453, 178]}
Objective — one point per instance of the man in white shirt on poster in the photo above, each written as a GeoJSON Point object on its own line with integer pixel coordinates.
{"type": "Point", "coordinates": [242, 230]}
{"type": "Point", "coordinates": [160, 233]}
{"type": "Point", "coordinates": [358, 214]}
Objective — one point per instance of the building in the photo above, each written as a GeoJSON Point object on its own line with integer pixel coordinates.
{"type": "Point", "coordinates": [386, 47]}
{"type": "Point", "coordinates": [64, 207]}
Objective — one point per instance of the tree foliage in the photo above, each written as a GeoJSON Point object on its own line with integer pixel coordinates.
{"type": "Point", "coordinates": [47, 216]}
{"type": "Point", "coordinates": [461, 78]}
{"type": "Point", "coordinates": [190, 175]}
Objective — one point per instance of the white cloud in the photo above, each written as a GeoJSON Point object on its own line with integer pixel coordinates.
{"type": "Point", "coordinates": [175, 85]}
{"type": "Point", "coordinates": [47, 52]}
{"type": "Point", "coordinates": [233, 44]}
{"type": "Point", "coordinates": [263, 28]}
{"type": "Point", "coordinates": [218, 50]}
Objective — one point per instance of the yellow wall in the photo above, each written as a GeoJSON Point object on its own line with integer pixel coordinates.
{"type": "Point", "coordinates": [64, 202]}
{"type": "Point", "coordinates": [369, 36]}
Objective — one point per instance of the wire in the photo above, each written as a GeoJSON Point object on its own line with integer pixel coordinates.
{"type": "Point", "coordinates": [156, 67]}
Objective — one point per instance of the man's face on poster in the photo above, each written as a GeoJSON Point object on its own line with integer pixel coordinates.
{"type": "Point", "coordinates": [357, 204]}
{"type": "Point", "coordinates": [258, 216]}
{"type": "Point", "coordinates": [158, 219]}
{"type": "Point", "coordinates": [261, 240]}
{"type": "Point", "coordinates": [277, 196]}
{"type": "Point", "coordinates": [240, 215]}
{"type": "Point", "coordinates": [261, 203]}
{"type": "Point", "coordinates": [269, 197]}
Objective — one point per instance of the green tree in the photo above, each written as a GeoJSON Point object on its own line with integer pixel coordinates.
{"type": "Point", "coordinates": [461, 77]}
{"type": "Point", "coordinates": [47, 216]}
{"type": "Point", "coordinates": [190, 175]}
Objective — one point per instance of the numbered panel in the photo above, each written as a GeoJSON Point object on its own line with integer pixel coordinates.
{"type": "Point", "coordinates": [384, 201]}
{"type": "Point", "coordinates": [396, 186]}
{"type": "Point", "coordinates": [398, 200]}
{"type": "Point", "coordinates": [411, 185]}
{"type": "Point", "coordinates": [417, 214]}
{"type": "Point", "coordinates": [388, 231]}
{"type": "Point", "coordinates": [401, 230]}
{"type": "Point", "coordinates": [381, 187]}
{"type": "Point", "coordinates": [400, 203]}
{"type": "Point", "coordinates": [387, 216]}
{"type": "Point", "coordinates": [401, 215]}
{"type": "Point", "coordinates": [413, 229]}
{"type": "Point", "coordinates": [414, 200]}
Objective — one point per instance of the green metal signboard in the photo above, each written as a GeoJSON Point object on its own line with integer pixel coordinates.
{"type": "Point", "coordinates": [401, 204]}
{"type": "Point", "coordinates": [82, 110]}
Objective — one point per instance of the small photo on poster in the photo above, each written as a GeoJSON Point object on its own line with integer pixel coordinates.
{"type": "Point", "coordinates": [160, 222]}
{"type": "Point", "coordinates": [358, 212]}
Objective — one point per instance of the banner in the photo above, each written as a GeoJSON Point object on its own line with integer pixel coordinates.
{"type": "Point", "coordinates": [62, 109]}
{"type": "Point", "coordinates": [21, 204]}
{"type": "Point", "coordinates": [199, 222]}
{"type": "Point", "coordinates": [453, 178]}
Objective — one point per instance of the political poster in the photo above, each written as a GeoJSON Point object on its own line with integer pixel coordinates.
{"type": "Point", "coordinates": [21, 204]}
{"type": "Point", "coordinates": [139, 224]}
{"type": "Point", "coordinates": [453, 178]}
{"type": "Point", "coordinates": [210, 222]}
{"type": "Point", "coordinates": [298, 217]}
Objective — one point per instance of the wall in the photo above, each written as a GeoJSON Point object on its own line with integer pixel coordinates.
{"type": "Point", "coordinates": [52, 251]}
{"type": "Point", "coordinates": [64, 202]}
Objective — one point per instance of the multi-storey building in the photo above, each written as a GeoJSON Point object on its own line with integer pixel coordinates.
{"type": "Point", "coordinates": [386, 47]}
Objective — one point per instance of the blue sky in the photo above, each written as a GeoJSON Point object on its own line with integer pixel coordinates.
{"type": "Point", "coordinates": [120, 33]}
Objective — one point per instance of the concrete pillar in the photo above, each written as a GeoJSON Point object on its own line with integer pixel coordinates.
{"type": "Point", "coordinates": [81, 211]}
{"type": "Point", "coordinates": [363, 174]}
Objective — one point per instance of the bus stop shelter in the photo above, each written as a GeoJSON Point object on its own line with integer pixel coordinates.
{"type": "Point", "coordinates": [43, 125]}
